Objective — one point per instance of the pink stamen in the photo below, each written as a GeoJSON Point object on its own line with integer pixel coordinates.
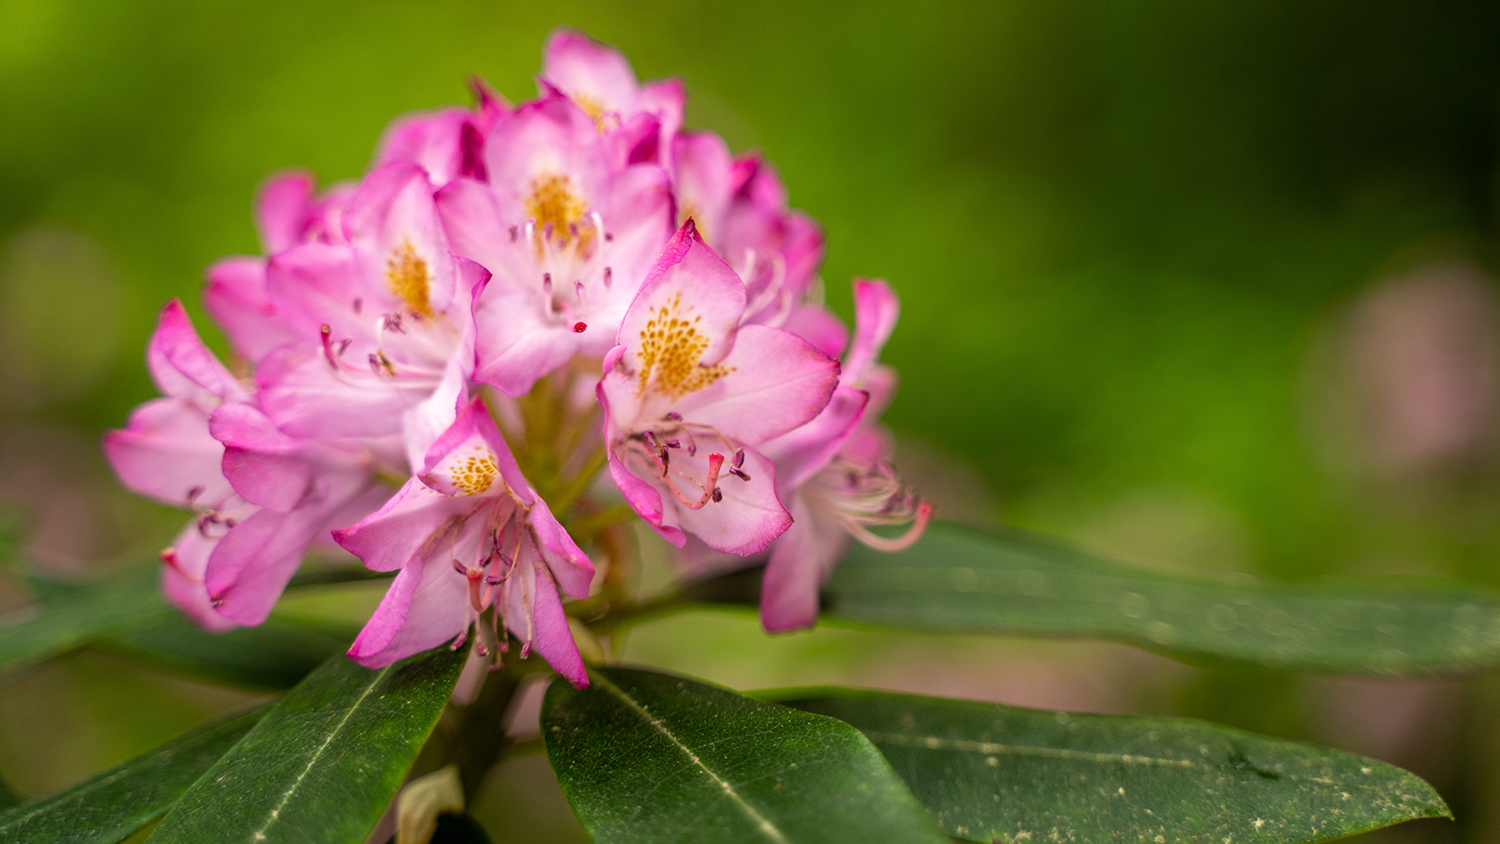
{"type": "Point", "coordinates": [891, 544]}
{"type": "Point", "coordinates": [476, 581]}
{"type": "Point", "coordinates": [715, 463]}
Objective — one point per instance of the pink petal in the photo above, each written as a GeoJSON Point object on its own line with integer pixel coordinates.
{"type": "Point", "coordinates": [182, 366]}
{"type": "Point", "coordinates": [548, 633]}
{"type": "Point", "coordinates": [548, 137]}
{"type": "Point", "coordinates": [265, 466]}
{"type": "Point", "coordinates": [704, 177]}
{"type": "Point", "coordinates": [876, 309]}
{"type": "Point", "coordinates": [515, 343]}
{"type": "Point", "coordinates": [748, 518]}
{"type": "Point", "coordinates": [799, 562]}
{"type": "Point", "coordinates": [803, 452]}
{"type": "Point", "coordinates": [182, 578]}
{"type": "Point", "coordinates": [283, 209]}
{"type": "Point", "coordinates": [251, 566]}
{"type": "Point", "coordinates": [397, 533]}
{"type": "Point", "coordinates": [693, 284]}
{"type": "Point", "coordinates": [318, 284]}
{"type": "Point", "coordinates": [236, 297]}
{"type": "Point", "coordinates": [567, 562]}
{"type": "Point", "coordinates": [393, 215]}
{"type": "Point", "coordinates": [588, 70]}
{"type": "Point", "coordinates": [820, 327]}
{"type": "Point", "coordinates": [302, 394]}
{"type": "Point", "coordinates": [474, 433]}
{"type": "Point", "coordinates": [422, 609]}
{"type": "Point", "coordinates": [776, 382]}
{"type": "Point", "coordinates": [429, 139]}
{"type": "Point", "coordinates": [166, 453]}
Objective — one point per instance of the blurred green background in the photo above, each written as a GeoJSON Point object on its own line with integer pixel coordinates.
{"type": "Point", "coordinates": [1206, 286]}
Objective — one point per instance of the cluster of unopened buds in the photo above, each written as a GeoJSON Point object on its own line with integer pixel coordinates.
{"type": "Point", "coordinates": [433, 367]}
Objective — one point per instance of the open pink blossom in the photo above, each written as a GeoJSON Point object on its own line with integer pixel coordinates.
{"type": "Point", "coordinates": [835, 473]}
{"type": "Point", "coordinates": [639, 120]}
{"type": "Point", "coordinates": [740, 208]}
{"type": "Point", "coordinates": [446, 142]}
{"type": "Point", "coordinates": [466, 534]}
{"type": "Point", "coordinates": [383, 325]}
{"type": "Point", "coordinates": [689, 394]}
{"type": "Point", "coordinates": [259, 497]}
{"type": "Point", "coordinates": [287, 213]}
{"type": "Point", "coordinates": [567, 238]}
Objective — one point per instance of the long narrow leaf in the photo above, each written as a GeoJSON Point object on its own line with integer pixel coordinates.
{"type": "Point", "coordinates": [990, 772]}
{"type": "Point", "coordinates": [272, 656]}
{"type": "Point", "coordinates": [112, 805]}
{"type": "Point", "coordinates": [324, 762]}
{"type": "Point", "coordinates": [968, 581]}
{"type": "Point", "coordinates": [647, 757]}
{"type": "Point", "coordinates": [70, 616]}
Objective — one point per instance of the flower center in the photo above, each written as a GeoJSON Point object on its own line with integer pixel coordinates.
{"type": "Point", "coordinates": [672, 346]}
{"type": "Point", "coordinates": [557, 210]}
{"type": "Point", "coordinates": [409, 278]}
{"type": "Point", "coordinates": [476, 473]}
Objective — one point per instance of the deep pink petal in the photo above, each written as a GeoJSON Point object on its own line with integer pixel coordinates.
{"type": "Point", "coordinates": [182, 577]}
{"type": "Point", "coordinates": [266, 466]}
{"type": "Point", "coordinates": [549, 634]}
{"type": "Point", "coordinates": [569, 565]}
{"type": "Point", "coordinates": [251, 566]}
{"type": "Point", "coordinates": [182, 366]}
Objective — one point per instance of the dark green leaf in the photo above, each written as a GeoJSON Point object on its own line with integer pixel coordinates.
{"type": "Point", "coordinates": [272, 656]}
{"type": "Point", "coordinates": [325, 761]}
{"type": "Point", "coordinates": [9, 797]}
{"type": "Point", "coordinates": [962, 580]}
{"type": "Point", "coordinates": [648, 757]}
{"type": "Point", "coordinates": [991, 772]}
{"type": "Point", "coordinates": [125, 798]}
{"type": "Point", "coordinates": [72, 615]}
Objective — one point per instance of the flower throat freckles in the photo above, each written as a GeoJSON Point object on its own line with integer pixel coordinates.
{"type": "Point", "coordinates": [558, 213]}
{"type": "Point", "coordinates": [672, 346]}
{"type": "Point", "coordinates": [409, 278]}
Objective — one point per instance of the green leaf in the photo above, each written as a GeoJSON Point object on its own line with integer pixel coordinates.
{"type": "Point", "coordinates": [967, 581]}
{"type": "Point", "coordinates": [69, 616]}
{"type": "Point", "coordinates": [647, 757]}
{"type": "Point", "coordinates": [125, 798]}
{"type": "Point", "coordinates": [991, 772]}
{"type": "Point", "coordinates": [9, 797]}
{"type": "Point", "coordinates": [325, 761]}
{"type": "Point", "coordinates": [271, 656]}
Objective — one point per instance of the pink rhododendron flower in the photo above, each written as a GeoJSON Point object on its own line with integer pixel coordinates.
{"type": "Point", "coordinates": [469, 533]}
{"type": "Point", "coordinates": [835, 473]}
{"type": "Point", "coordinates": [567, 238]}
{"type": "Point", "coordinates": [688, 395]}
{"type": "Point", "coordinates": [639, 120]}
{"type": "Point", "coordinates": [260, 498]}
{"type": "Point", "coordinates": [740, 209]}
{"type": "Point", "coordinates": [384, 322]}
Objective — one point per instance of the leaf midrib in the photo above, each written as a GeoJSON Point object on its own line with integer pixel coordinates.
{"type": "Point", "coordinates": [260, 834]}
{"type": "Point", "coordinates": [998, 748]}
{"type": "Point", "coordinates": [766, 827]}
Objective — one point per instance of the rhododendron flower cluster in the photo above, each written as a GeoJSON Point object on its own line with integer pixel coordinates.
{"type": "Point", "coordinates": [521, 318]}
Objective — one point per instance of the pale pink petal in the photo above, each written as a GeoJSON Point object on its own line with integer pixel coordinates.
{"type": "Point", "coordinates": [692, 284]}
{"type": "Point", "coordinates": [423, 608]}
{"type": "Point", "coordinates": [167, 453]}
{"type": "Point", "coordinates": [592, 73]}
{"type": "Point", "coordinates": [775, 382]}
{"type": "Point", "coordinates": [799, 563]}
{"type": "Point", "coordinates": [474, 436]}
{"type": "Point", "coordinates": [748, 518]}
{"type": "Point", "coordinates": [802, 452]}
{"type": "Point", "coordinates": [318, 284]}
{"type": "Point", "coordinates": [476, 230]}
{"type": "Point", "coordinates": [392, 219]}
{"type": "Point", "coordinates": [548, 137]}
{"type": "Point", "coordinates": [305, 397]}
{"type": "Point", "coordinates": [397, 533]}
{"type": "Point", "coordinates": [236, 297]}
{"type": "Point", "coordinates": [515, 343]}
{"type": "Point", "coordinates": [704, 177]}
{"type": "Point", "coordinates": [820, 327]}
